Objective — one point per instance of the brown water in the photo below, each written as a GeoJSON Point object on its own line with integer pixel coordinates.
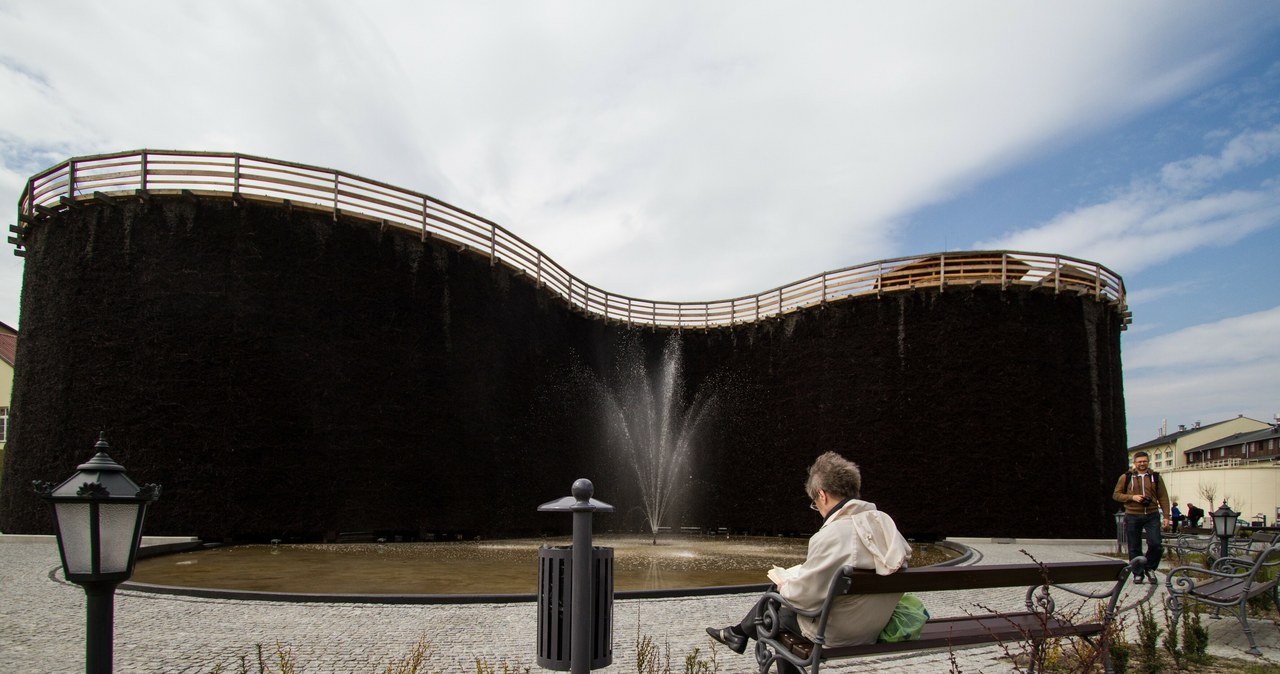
{"type": "Point", "coordinates": [488, 567]}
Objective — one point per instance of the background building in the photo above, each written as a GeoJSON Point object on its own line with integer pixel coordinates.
{"type": "Point", "coordinates": [1168, 452]}
{"type": "Point", "coordinates": [8, 351]}
{"type": "Point", "coordinates": [1236, 460]}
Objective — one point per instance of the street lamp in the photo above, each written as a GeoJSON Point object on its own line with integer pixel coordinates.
{"type": "Point", "coordinates": [1224, 525]}
{"type": "Point", "coordinates": [98, 513]}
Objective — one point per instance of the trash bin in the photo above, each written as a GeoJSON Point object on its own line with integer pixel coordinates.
{"type": "Point", "coordinates": [555, 590]}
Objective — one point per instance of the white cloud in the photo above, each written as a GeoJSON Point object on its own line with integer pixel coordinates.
{"type": "Point", "coordinates": [1148, 223]}
{"type": "Point", "coordinates": [1245, 150]}
{"type": "Point", "coordinates": [1207, 372]}
{"type": "Point", "coordinates": [1236, 340]}
{"type": "Point", "coordinates": [1208, 394]}
{"type": "Point", "coordinates": [695, 151]}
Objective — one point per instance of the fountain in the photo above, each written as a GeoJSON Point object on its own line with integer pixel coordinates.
{"type": "Point", "coordinates": [652, 422]}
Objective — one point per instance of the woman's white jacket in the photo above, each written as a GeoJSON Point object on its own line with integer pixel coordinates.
{"type": "Point", "coordinates": [856, 534]}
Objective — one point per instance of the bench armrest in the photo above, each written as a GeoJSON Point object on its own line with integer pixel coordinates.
{"type": "Point", "coordinates": [770, 625]}
{"type": "Point", "coordinates": [1039, 599]}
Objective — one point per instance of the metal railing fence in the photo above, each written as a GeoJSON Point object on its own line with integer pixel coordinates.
{"type": "Point", "coordinates": [240, 176]}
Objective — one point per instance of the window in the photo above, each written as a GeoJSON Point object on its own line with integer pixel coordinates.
{"type": "Point", "coordinates": [4, 423]}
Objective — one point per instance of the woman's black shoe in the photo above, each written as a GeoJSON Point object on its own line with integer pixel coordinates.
{"type": "Point", "coordinates": [736, 642]}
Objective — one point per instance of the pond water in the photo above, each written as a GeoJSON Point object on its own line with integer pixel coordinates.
{"type": "Point", "coordinates": [473, 567]}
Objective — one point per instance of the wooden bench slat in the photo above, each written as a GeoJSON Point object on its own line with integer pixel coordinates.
{"type": "Point", "coordinates": [1227, 589]}
{"type": "Point", "coordinates": [1219, 589]}
{"type": "Point", "coordinates": [957, 631]}
{"type": "Point", "coordinates": [938, 578]}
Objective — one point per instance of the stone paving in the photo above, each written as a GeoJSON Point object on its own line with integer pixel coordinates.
{"type": "Point", "coordinates": [42, 627]}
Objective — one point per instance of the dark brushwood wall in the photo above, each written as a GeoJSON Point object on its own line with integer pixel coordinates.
{"type": "Point", "coordinates": [283, 374]}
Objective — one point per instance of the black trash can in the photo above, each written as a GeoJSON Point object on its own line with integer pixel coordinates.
{"type": "Point", "coordinates": [555, 595]}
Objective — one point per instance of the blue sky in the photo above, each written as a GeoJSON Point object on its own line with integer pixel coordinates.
{"type": "Point", "coordinates": [697, 151]}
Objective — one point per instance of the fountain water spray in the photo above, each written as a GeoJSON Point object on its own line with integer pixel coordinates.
{"type": "Point", "coordinates": [653, 422]}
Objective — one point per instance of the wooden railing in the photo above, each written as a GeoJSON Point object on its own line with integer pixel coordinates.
{"type": "Point", "coordinates": [239, 176]}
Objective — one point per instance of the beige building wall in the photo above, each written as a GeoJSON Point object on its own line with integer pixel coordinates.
{"type": "Point", "coordinates": [1250, 489]}
{"type": "Point", "coordinates": [6, 394]}
{"type": "Point", "coordinates": [1169, 455]}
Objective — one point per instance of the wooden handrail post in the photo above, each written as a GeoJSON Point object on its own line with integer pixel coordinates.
{"type": "Point", "coordinates": [71, 179]}
{"type": "Point", "coordinates": [336, 188]}
{"type": "Point", "coordinates": [142, 171]}
{"type": "Point", "coordinates": [235, 178]}
{"type": "Point", "coordinates": [424, 218]}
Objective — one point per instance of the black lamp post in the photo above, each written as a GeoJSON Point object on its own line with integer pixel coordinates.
{"type": "Point", "coordinates": [1224, 525]}
{"type": "Point", "coordinates": [99, 513]}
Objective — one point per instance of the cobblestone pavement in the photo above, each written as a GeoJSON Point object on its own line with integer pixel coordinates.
{"type": "Point", "coordinates": [42, 627]}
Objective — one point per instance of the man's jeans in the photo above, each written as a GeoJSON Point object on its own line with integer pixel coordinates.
{"type": "Point", "coordinates": [1135, 527]}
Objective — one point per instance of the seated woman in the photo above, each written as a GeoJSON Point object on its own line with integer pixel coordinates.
{"type": "Point", "coordinates": [852, 532]}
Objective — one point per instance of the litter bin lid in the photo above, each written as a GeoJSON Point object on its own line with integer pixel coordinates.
{"type": "Point", "coordinates": [570, 504]}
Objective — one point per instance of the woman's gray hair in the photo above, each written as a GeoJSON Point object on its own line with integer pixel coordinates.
{"type": "Point", "coordinates": [835, 475]}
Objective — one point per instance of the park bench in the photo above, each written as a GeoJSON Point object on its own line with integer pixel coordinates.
{"type": "Point", "coordinates": [1038, 623]}
{"type": "Point", "coordinates": [1185, 545]}
{"type": "Point", "coordinates": [1229, 584]}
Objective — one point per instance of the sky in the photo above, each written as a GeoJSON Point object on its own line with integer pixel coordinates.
{"type": "Point", "coordinates": [706, 150]}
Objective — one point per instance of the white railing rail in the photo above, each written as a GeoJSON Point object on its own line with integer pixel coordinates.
{"type": "Point", "coordinates": [240, 176]}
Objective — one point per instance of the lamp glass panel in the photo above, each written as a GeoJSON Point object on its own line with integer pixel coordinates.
{"type": "Point", "coordinates": [119, 522]}
{"type": "Point", "coordinates": [1219, 524]}
{"type": "Point", "coordinates": [73, 534]}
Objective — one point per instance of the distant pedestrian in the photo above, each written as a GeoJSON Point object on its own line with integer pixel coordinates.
{"type": "Point", "coordinates": [1176, 517]}
{"type": "Point", "coordinates": [1194, 515]}
{"type": "Point", "coordinates": [1146, 500]}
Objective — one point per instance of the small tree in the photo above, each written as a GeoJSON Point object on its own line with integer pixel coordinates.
{"type": "Point", "coordinates": [1210, 493]}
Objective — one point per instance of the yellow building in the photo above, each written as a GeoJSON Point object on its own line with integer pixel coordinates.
{"type": "Point", "coordinates": [8, 350]}
{"type": "Point", "coordinates": [1168, 452]}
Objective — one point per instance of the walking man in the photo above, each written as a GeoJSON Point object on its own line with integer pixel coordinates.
{"type": "Point", "coordinates": [1146, 510]}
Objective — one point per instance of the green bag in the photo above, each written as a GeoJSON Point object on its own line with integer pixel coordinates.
{"type": "Point", "coordinates": [908, 620]}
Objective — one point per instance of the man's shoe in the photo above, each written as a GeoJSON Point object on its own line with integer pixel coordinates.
{"type": "Point", "coordinates": [1138, 578]}
{"type": "Point", "coordinates": [736, 642]}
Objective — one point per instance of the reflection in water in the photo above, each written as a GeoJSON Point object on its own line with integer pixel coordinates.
{"type": "Point", "coordinates": [494, 567]}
